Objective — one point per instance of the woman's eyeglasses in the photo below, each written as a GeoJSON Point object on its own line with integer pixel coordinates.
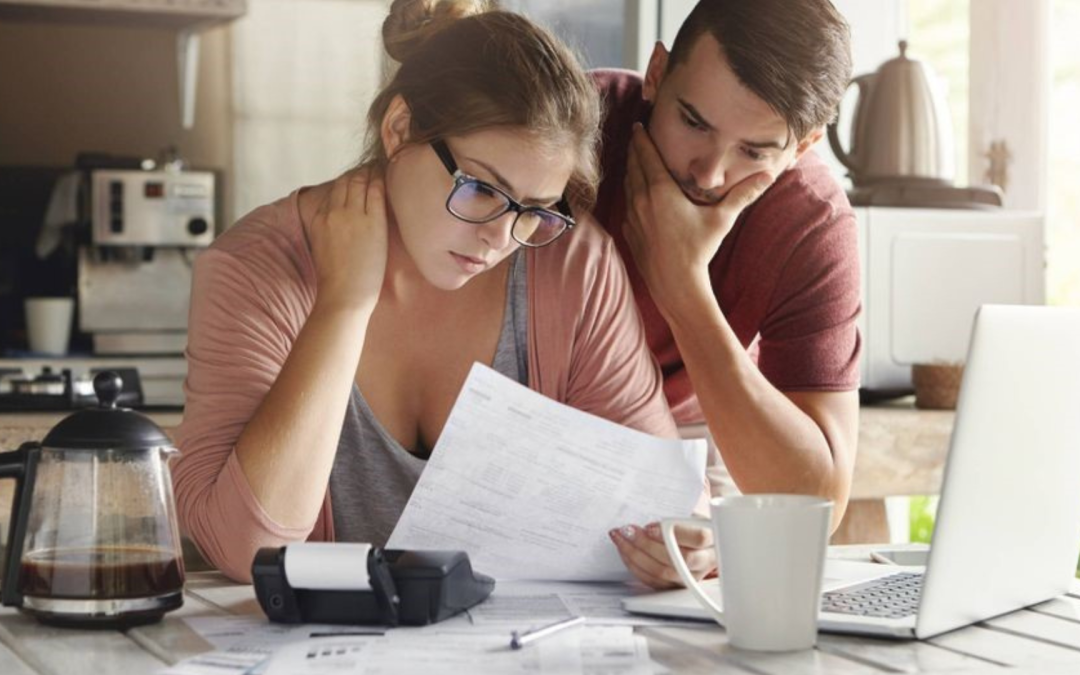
{"type": "Point", "coordinates": [475, 201]}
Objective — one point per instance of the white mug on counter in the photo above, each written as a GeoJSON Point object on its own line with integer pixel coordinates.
{"type": "Point", "coordinates": [48, 324]}
{"type": "Point", "coordinates": [771, 549]}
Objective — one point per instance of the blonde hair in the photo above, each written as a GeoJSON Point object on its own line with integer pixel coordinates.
{"type": "Point", "coordinates": [467, 66]}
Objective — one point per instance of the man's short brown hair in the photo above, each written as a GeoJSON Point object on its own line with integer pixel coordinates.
{"type": "Point", "coordinates": [794, 55]}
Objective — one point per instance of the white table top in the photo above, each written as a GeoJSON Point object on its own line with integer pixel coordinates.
{"type": "Point", "coordinates": [1041, 639]}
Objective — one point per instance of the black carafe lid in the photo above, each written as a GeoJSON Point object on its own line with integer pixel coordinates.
{"type": "Point", "coordinates": [106, 426]}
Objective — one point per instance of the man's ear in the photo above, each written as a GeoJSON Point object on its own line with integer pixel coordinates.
{"type": "Point", "coordinates": [654, 73]}
{"type": "Point", "coordinates": [395, 126]}
{"type": "Point", "coordinates": [806, 143]}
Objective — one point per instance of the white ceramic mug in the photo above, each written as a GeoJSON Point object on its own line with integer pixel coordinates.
{"type": "Point", "coordinates": [48, 324]}
{"type": "Point", "coordinates": [771, 549]}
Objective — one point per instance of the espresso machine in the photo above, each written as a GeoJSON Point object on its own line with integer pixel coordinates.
{"type": "Point", "coordinates": [132, 239]}
{"type": "Point", "coordinates": [134, 277]}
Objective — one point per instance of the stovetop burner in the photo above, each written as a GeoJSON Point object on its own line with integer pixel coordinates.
{"type": "Point", "coordinates": [50, 390]}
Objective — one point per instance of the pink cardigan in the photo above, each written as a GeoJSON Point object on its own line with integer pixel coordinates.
{"type": "Point", "coordinates": [252, 292]}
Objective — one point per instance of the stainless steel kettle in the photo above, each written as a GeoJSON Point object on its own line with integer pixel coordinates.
{"type": "Point", "coordinates": [901, 131]}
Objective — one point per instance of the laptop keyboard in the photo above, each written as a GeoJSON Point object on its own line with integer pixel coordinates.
{"type": "Point", "coordinates": [892, 597]}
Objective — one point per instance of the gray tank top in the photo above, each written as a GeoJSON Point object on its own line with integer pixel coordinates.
{"type": "Point", "coordinates": [373, 475]}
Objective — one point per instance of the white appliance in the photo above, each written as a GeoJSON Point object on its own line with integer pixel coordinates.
{"type": "Point", "coordinates": [924, 274]}
{"type": "Point", "coordinates": [152, 208]}
{"type": "Point", "coordinates": [134, 276]}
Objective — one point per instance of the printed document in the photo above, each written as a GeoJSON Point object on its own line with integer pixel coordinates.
{"type": "Point", "coordinates": [587, 649]}
{"type": "Point", "coordinates": [524, 605]}
{"type": "Point", "coordinates": [530, 487]}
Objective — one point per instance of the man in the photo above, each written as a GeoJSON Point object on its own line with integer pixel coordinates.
{"type": "Point", "coordinates": [741, 247]}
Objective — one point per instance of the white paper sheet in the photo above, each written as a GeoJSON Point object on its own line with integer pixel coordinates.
{"type": "Point", "coordinates": [582, 650]}
{"type": "Point", "coordinates": [530, 487]}
{"type": "Point", "coordinates": [254, 633]}
{"type": "Point", "coordinates": [476, 641]}
{"type": "Point", "coordinates": [522, 605]}
{"type": "Point", "coordinates": [243, 644]}
{"type": "Point", "coordinates": [235, 662]}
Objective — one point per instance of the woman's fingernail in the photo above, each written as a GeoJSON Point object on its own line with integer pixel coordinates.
{"type": "Point", "coordinates": [628, 531]}
{"type": "Point", "coordinates": [653, 530]}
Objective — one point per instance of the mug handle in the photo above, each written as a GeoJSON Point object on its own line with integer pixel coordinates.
{"type": "Point", "coordinates": [667, 528]}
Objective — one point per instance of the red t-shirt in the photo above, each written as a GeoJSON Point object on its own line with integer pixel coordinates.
{"type": "Point", "coordinates": [786, 277]}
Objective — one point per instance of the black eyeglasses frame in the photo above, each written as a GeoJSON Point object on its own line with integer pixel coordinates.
{"type": "Point", "coordinates": [460, 178]}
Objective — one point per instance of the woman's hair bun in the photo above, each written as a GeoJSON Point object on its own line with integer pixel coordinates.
{"type": "Point", "coordinates": [411, 22]}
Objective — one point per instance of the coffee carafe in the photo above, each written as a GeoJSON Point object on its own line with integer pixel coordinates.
{"type": "Point", "coordinates": [93, 539]}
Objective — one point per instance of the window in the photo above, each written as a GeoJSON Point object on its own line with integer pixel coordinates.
{"type": "Point", "coordinates": [304, 74]}
{"type": "Point", "coordinates": [1016, 112]}
{"type": "Point", "coordinates": [1063, 225]}
{"type": "Point", "coordinates": [593, 28]}
{"type": "Point", "coordinates": [940, 36]}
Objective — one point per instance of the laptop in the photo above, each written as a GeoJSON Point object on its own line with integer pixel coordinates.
{"type": "Point", "coordinates": [1008, 523]}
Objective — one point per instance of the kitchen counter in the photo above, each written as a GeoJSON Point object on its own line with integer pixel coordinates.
{"type": "Point", "coordinates": [901, 448]}
{"type": "Point", "coordinates": [18, 427]}
{"type": "Point", "coordinates": [901, 452]}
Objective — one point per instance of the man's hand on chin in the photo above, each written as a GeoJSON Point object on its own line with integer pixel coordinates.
{"type": "Point", "coordinates": [671, 236]}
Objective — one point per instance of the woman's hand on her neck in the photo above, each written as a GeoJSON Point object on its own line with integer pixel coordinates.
{"type": "Point", "coordinates": [348, 238]}
{"type": "Point", "coordinates": [287, 449]}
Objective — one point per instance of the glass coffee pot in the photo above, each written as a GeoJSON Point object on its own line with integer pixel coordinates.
{"type": "Point", "coordinates": [93, 540]}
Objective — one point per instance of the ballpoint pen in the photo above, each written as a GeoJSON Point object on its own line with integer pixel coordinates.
{"type": "Point", "coordinates": [519, 640]}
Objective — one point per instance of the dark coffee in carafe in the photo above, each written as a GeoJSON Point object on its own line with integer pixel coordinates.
{"type": "Point", "coordinates": [104, 572]}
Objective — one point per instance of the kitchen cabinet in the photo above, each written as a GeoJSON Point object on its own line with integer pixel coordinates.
{"type": "Point", "coordinates": [188, 17]}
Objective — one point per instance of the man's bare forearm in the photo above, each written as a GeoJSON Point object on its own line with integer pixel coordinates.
{"type": "Point", "coordinates": [768, 442]}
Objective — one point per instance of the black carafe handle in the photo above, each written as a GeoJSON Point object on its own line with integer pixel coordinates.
{"type": "Point", "coordinates": [21, 465]}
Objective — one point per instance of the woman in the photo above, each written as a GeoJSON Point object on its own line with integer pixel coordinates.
{"type": "Point", "coordinates": [331, 330]}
